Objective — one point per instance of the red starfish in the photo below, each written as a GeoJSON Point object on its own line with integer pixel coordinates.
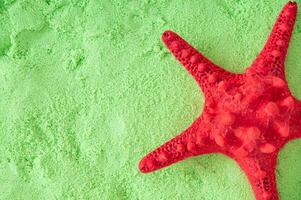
{"type": "Point", "coordinates": [248, 117]}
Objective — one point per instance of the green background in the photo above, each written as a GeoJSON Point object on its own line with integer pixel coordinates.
{"type": "Point", "coordinates": [87, 88]}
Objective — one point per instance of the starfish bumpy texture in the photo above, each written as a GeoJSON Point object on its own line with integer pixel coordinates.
{"type": "Point", "coordinates": [249, 117]}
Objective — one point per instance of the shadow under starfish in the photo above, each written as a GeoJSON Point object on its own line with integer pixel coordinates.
{"type": "Point", "coordinates": [248, 117]}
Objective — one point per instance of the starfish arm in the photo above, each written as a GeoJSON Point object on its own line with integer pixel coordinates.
{"type": "Point", "coordinates": [202, 69]}
{"type": "Point", "coordinates": [295, 122]}
{"type": "Point", "coordinates": [261, 172]}
{"type": "Point", "coordinates": [271, 59]}
{"type": "Point", "coordinates": [295, 132]}
{"type": "Point", "coordinates": [191, 142]}
{"type": "Point", "coordinates": [296, 135]}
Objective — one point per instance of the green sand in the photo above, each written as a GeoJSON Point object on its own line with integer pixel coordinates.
{"type": "Point", "coordinates": [87, 88]}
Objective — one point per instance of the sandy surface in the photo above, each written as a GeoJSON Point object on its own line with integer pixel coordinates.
{"type": "Point", "coordinates": [87, 88]}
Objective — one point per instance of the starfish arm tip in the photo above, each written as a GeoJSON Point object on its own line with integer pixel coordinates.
{"type": "Point", "coordinates": [191, 142]}
{"type": "Point", "coordinates": [165, 155]}
{"type": "Point", "coordinates": [272, 57]}
{"type": "Point", "coordinates": [143, 165]}
{"type": "Point", "coordinates": [166, 34]}
{"type": "Point", "coordinates": [203, 70]}
{"type": "Point", "coordinates": [292, 2]}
